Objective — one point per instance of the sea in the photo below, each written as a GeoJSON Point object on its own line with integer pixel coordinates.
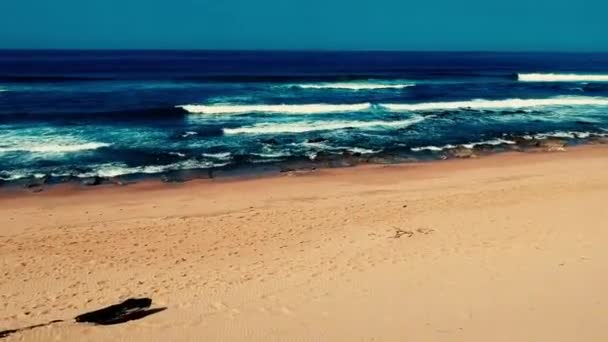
{"type": "Point", "coordinates": [70, 115]}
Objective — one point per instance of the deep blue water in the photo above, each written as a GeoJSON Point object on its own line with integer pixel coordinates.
{"type": "Point", "coordinates": [109, 113]}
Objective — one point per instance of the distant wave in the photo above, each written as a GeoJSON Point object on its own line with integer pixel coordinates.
{"type": "Point", "coordinates": [317, 108]}
{"type": "Point", "coordinates": [54, 148]}
{"type": "Point", "coordinates": [309, 126]}
{"type": "Point", "coordinates": [562, 78]}
{"type": "Point", "coordinates": [497, 104]}
{"type": "Point", "coordinates": [354, 85]}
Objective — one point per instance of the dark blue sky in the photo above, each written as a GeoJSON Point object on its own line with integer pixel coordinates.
{"type": "Point", "coordinates": [567, 25]}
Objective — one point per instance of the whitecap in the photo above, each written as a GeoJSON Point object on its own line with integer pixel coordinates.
{"type": "Point", "coordinates": [539, 77]}
{"type": "Point", "coordinates": [361, 150]}
{"type": "Point", "coordinates": [317, 108]}
{"type": "Point", "coordinates": [432, 148]}
{"type": "Point", "coordinates": [53, 148]}
{"type": "Point", "coordinates": [498, 104]}
{"type": "Point", "coordinates": [178, 154]}
{"type": "Point", "coordinates": [188, 133]}
{"type": "Point", "coordinates": [271, 155]}
{"type": "Point", "coordinates": [309, 126]}
{"type": "Point", "coordinates": [222, 155]}
{"type": "Point", "coordinates": [494, 142]}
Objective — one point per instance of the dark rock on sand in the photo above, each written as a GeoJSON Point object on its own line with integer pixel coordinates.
{"type": "Point", "coordinates": [323, 156]}
{"type": "Point", "coordinates": [171, 179]}
{"type": "Point", "coordinates": [92, 181]}
{"type": "Point", "coordinates": [486, 148]}
{"type": "Point", "coordinates": [598, 140]}
{"type": "Point", "coordinates": [521, 142]}
{"type": "Point", "coordinates": [36, 182]}
{"type": "Point", "coordinates": [461, 152]}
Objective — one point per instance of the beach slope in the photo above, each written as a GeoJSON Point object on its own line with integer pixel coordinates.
{"type": "Point", "coordinates": [510, 247]}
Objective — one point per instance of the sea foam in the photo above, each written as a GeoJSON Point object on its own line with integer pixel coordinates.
{"type": "Point", "coordinates": [54, 148]}
{"type": "Point", "coordinates": [317, 108]}
{"type": "Point", "coordinates": [309, 126]}
{"type": "Point", "coordinates": [493, 142]}
{"type": "Point", "coordinates": [562, 78]}
{"type": "Point", "coordinates": [499, 104]}
{"type": "Point", "coordinates": [119, 169]}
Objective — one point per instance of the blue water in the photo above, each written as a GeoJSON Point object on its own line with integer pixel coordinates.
{"type": "Point", "coordinates": [114, 113]}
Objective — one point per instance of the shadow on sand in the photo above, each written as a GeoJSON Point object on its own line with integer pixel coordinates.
{"type": "Point", "coordinates": [129, 310]}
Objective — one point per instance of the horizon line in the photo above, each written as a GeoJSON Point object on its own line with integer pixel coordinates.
{"type": "Point", "coordinates": [301, 50]}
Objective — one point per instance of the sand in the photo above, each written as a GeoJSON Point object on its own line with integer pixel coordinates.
{"type": "Point", "coordinates": [510, 247]}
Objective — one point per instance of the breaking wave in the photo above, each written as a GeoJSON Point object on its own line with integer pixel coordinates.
{"type": "Point", "coordinates": [309, 126]}
{"type": "Point", "coordinates": [498, 104]}
{"type": "Point", "coordinates": [562, 78]}
{"type": "Point", "coordinates": [54, 148]}
{"type": "Point", "coordinates": [318, 108]}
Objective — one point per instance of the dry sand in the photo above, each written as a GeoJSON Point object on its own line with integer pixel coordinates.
{"type": "Point", "coordinates": [511, 247]}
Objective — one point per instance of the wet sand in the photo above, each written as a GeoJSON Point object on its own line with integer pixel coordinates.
{"type": "Point", "coordinates": [510, 247]}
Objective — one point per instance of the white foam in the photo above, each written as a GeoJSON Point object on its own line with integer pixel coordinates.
{"type": "Point", "coordinates": [114, 170]}
{"type": "Point", "coordinates": [271, 155]}
{"type": "Point", "coordinates": [354, 85]}
{"type": "Point", "coordinates": [494, 142]}
{"type": "Point", "coordinates": [562, 78]}
{"type": "Point", "coordinates": [54, 148]}
{"type": "Point", "coordinates": [318, 108]}
{"type": "Point", "coordinates": [362, 150]}
{"type": "Point", "coordinates": [179, 154]}
{"type": "Point", "coordinates": [498, 104]}
{"type": "Point", "coordinates": [566, 135]}
{"type": "Point", "coordinates": [188, 133]}
{"type": "Point", "coordinates": [223, 155]}
{"type": "Point", "coordinates": [432, 148]}
{"type": "Point", "coordinates": [309, 126]}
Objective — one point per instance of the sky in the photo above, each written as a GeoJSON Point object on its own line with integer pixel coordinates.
{"type": "Point", "coordinates": [507, 25]}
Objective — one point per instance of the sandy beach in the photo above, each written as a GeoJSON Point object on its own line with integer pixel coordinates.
{"type": "Point", "coordinates": [510, 247]}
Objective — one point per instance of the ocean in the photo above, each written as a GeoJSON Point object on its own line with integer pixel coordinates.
{"type": "Point", "coordinates": [70, 115]}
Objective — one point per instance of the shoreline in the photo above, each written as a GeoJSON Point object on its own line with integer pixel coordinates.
{"type": "Point", "coordinates": [458, 153]}
{"type": "Point", "coordinates": [509, 246]}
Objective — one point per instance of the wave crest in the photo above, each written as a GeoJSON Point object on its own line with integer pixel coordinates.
{"type": "Point", "coordinates": [562, 78]}
{"type": "Point", "coordinates": [54, 148]}
{"type": "Point", "coordinates": [309, 126]}
{"type": "Point", "coordinates": [318, 108]}
{"type": "Point", "coordinates": [498, 104]}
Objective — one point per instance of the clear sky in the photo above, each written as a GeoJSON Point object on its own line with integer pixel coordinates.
{"type": "Point", "coordinates": [567, 25]}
